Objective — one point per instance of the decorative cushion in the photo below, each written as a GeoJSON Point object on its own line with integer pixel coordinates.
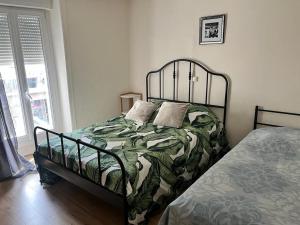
{"type": "Point", "coordinates": [141, 111]}
{"type": "Point", "coordinates": [171, 114]}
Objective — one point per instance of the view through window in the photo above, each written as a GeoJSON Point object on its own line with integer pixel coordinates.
{"type": "Point", "coordinates": [23, 69]}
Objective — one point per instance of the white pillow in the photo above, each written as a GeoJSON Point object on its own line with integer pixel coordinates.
{"type": "Point", "coordinates": [171, 114]}
{"type": "Point", "coordinates": [141, 111]}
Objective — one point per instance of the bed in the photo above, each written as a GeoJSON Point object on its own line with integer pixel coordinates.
{"type": "Point", "coordinates": [136, 166]}
{"type": "Point", "coordinates": [257, 182]}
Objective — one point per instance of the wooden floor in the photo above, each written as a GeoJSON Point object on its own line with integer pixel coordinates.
{"type": "Point", "coordinates": [24, 201]}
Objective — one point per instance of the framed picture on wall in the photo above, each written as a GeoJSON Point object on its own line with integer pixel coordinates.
{"type": "Point", "coordinates": [212, 29]}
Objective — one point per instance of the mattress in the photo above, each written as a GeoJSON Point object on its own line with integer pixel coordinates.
{"type": "Point", "coordinates": [160, 162]}
{"type": "Point", "coordinates": [258, 182]}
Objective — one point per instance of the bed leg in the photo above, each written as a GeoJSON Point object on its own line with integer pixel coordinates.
{"type": "Point", "coordinates": [46, 177]}
{"type": "Point", "coordinates": [126, 214]}
{"type": "Point", "coordinates": [38, 167]}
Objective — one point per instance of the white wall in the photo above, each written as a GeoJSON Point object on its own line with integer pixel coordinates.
{"type": "Point", "coordinates": [261, 51]}
{"type": "Point", "coordinates": [56, 26]}
{"type": "Point", "coordinates": [96, 44]}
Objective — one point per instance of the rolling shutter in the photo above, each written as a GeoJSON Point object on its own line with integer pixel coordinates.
{"type": "Point", "coordinates": [31, 39]}
{"type": "Point", "coordinates": [6, 54]}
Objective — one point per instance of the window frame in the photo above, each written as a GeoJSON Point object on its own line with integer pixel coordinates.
{"type": "Point", "coordinates": [12, 13]}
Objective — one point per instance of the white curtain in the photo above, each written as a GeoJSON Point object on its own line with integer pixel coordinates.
{"type": "Point", "coordinates": [11, 163]}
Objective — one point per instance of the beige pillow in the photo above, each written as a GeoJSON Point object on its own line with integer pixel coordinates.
{"type": "Point", "coordinates": [141, 111]}
{"type": "Point", "coordinates": [171, 114]}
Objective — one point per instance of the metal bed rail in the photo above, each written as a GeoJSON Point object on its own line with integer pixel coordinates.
{"type": "Point", "coordinates": [78, 144]}
{"type": "Point", "coordinates": [260, 109]}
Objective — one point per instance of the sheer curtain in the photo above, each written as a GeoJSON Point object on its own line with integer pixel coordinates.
{"type": "Point", "coordinates": [11, 163]}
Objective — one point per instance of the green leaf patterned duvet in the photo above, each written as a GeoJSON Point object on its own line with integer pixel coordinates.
{"type": "Point", "coordinates": [160, 162]}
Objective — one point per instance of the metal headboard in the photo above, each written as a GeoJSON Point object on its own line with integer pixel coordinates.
{"type": "Point", "coordinates": [260, 109]}
{"type": "Point", "coordinates": [192, 64]}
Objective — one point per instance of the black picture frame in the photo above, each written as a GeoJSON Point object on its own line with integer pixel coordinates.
{"type": "Point", "coordinates": [212, 29]}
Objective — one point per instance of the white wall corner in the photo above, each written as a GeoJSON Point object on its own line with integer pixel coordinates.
{"type": "Point", "coordinates": [65, 32]}
{"type": "Point", "coordinates": [55, 17]}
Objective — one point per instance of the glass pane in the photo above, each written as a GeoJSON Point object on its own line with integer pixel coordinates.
{"type": "Point", "coordinates": [9, 76]}
{"type": "Point", "coordinates": [35, 68]}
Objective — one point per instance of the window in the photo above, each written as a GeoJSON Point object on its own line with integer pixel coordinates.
{"type": "Point", "coordinates": [26, 67]}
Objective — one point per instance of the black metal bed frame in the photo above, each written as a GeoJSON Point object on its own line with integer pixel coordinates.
{"type": "Point", "coordinates": [97, 189]}
{"type": "Point", "coordinates": [260, 109]}
{"type": "Point", "coordinates": [192, 63]}
{"type": "Point", "coordinates": [70, 175]}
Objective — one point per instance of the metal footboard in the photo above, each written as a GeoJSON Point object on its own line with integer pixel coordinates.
{"type": "Point", "coordinates": [61, 169]}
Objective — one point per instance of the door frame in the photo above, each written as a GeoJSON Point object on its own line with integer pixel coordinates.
{"type": "Point", "coordinates": [26, 142]}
